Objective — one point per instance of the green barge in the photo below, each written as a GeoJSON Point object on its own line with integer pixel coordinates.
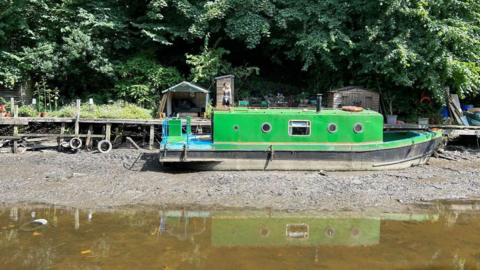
{"type": "Point", "coordinates": [295, 139]}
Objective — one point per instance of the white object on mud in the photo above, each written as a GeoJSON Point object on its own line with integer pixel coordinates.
{"type": "Point", "coordinates": [40, 221]}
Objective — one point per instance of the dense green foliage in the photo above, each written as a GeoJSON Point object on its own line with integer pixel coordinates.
{"type": "Point", "coordinates": [114, 49]}
{"type": "Point", "coordinates": [140, 78]}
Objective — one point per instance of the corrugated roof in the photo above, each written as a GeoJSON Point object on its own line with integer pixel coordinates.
{"type": "Point", "coordinates": [185, 87]}
{"type": "Point", "coordinates": [348, 88]}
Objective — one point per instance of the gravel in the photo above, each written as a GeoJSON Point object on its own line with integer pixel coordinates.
{"type": "Point", "coordinates": [125, 177]}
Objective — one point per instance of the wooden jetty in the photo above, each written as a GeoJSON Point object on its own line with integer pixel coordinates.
{"type": "Point", "coordinates": [452, 131]}
{"type": "Point", "coordinates": [83, 132]}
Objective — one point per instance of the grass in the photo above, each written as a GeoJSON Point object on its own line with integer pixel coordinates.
{"type": "Point", "coordinates": [117, 110]}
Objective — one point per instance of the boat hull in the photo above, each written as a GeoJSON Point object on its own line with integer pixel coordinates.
{"type": "Point", "coordinates": [381, 159]}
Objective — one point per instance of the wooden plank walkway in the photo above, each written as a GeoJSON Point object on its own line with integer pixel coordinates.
{"type": "Point", "coordinates": [25, 121]}
{"type": "Point", "coordinates": [151, 126]}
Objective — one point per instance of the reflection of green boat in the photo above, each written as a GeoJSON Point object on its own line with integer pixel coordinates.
{"type": "Point", "coordinates": [295, 139]}
{"type": "Point", "coordinates": [473, 117]}
{"type": "Point", "coordinates": [261, 231]}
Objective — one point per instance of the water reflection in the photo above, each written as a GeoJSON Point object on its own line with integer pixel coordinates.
{"type": "Point", "coordinates": [443, 237]}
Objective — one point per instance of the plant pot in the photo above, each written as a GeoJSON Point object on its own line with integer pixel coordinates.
{"type": "Point", "coordinates": [43, 114]}
{"type": "Point", "coordinates": [392, 119]}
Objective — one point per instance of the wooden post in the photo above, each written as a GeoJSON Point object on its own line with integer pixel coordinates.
{"type": "Point", "coordinates": [15, 127]}
{"type": "Point", "coordinates": [12, 105]}
{"type": "Point", "coordinates": [88, 142]}
{"type": "Point", "coordinates": [15, 116]}
{"type": "Point", "coordinates": [60, 138]}
{"type": "Point", "coordinates": [152, 137]}
{"type": "Point", "coordinates": [77, 219]}
{"type": "Point", "coordinates": [77, 119]}
{"type": "Point", "coordinates": [108, 132]}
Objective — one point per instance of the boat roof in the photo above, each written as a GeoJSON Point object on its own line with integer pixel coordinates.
{"type": "Point", "coordinates": [294, 111]}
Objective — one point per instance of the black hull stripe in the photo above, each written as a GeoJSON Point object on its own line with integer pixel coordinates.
{"type": "Point", "coordinates": [383, 157]}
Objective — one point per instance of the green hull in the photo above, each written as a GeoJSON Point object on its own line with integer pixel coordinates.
{"type": "Point", "coordinates": [404, 156]}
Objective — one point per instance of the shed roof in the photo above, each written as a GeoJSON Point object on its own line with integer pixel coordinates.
{"type": "Point", "coordinates": [224, 77]}
{"type": "Point", "coordinates": [185, 87]}
{"type": "Point", "coordinates": [348, 88]}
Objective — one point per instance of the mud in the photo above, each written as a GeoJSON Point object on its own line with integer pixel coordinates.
{"type": "Point", "coordinates": [126, 177]}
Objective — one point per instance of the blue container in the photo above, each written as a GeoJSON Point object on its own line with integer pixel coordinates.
{"type": "Point", "coordinates": [444, 112]}
{"type": "Point", "coordinates": [467, 107]}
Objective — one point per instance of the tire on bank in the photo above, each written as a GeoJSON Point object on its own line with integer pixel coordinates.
{"type": "Point", "coordinates": [104, 146]}
{"type": "Point", "coordinates": [75, 143]}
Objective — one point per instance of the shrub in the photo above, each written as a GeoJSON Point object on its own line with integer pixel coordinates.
{"type": "Point", "coordinates": [27, 111]}
{"type": "Point", "coordinates": [119, 110]}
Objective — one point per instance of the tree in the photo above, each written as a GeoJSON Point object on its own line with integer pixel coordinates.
{"type": "Point", "coordinates": [400, 45]}
{"type": "Point", "coordinates": [141, 79]}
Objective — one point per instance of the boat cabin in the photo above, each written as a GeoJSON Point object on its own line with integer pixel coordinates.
{"type": "Point", "coordinates": [242, 125]}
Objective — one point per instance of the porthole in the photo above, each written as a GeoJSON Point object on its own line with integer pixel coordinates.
{"type": "Point", "coordinates": [330, 232]}
{"type": "Point", "coordinates": [264, 232]}
{"type": "Point", "coordinates": [332, 128]}
{"type": "Point", "coordinates": [358, 128]}
{"type": "Point", "coordinates": [266, 127]}
{"type": "Point", "coordinates": [236, 127]}
{"type": "Point", "coordinates": [355, 232]}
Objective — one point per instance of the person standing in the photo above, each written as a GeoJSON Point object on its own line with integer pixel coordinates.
{"type": "Point", "coordinates": [227, 94]}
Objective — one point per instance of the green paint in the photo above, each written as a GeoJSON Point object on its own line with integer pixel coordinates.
{"type": "Point", "coordinates": [175, 130]}
{"type": "Point", "coordinates": [189, 125]}
{"type": "Point", "coordinates": [243, 125]}
{"type": "Point", "coordinates": [240, 129]}
{"type": "Point", "coordinates": [272, 231]}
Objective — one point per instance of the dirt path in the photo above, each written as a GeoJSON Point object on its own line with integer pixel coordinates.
{"type": "Point", "coordinates": [98, 181]}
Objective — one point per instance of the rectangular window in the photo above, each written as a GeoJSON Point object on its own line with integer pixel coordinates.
{"type": "Point", "coordinates": [299, 128]}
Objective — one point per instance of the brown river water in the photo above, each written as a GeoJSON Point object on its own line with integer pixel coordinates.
{"type": "Point", "coordinates": [442, 236]}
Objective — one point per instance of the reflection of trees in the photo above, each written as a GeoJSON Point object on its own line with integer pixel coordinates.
{"type": "Point", "coordinates": [194, 256]}
{"type": "Point", "coordinates": [39, 256]}
{"type": "Point", "coordinates": [101, 247]}
{"type": "Point", "coordinates": [8, 238]}
{"type": "Point", "coordinates": [185, 227]}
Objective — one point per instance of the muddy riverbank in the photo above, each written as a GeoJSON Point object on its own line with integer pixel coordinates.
{"type": "Point", "coordinates": [125, 177]}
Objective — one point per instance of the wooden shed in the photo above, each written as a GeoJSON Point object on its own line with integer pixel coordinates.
{"type": "Point", "coordinates": [354, 96]}
{"type": "Point", "coordinates": [20, 93]}
{"type": "Point", "coordinates": [184, 98]}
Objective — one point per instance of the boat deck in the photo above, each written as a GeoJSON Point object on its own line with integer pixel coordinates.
{"type": "Point", "coordinates": [392, 139]}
